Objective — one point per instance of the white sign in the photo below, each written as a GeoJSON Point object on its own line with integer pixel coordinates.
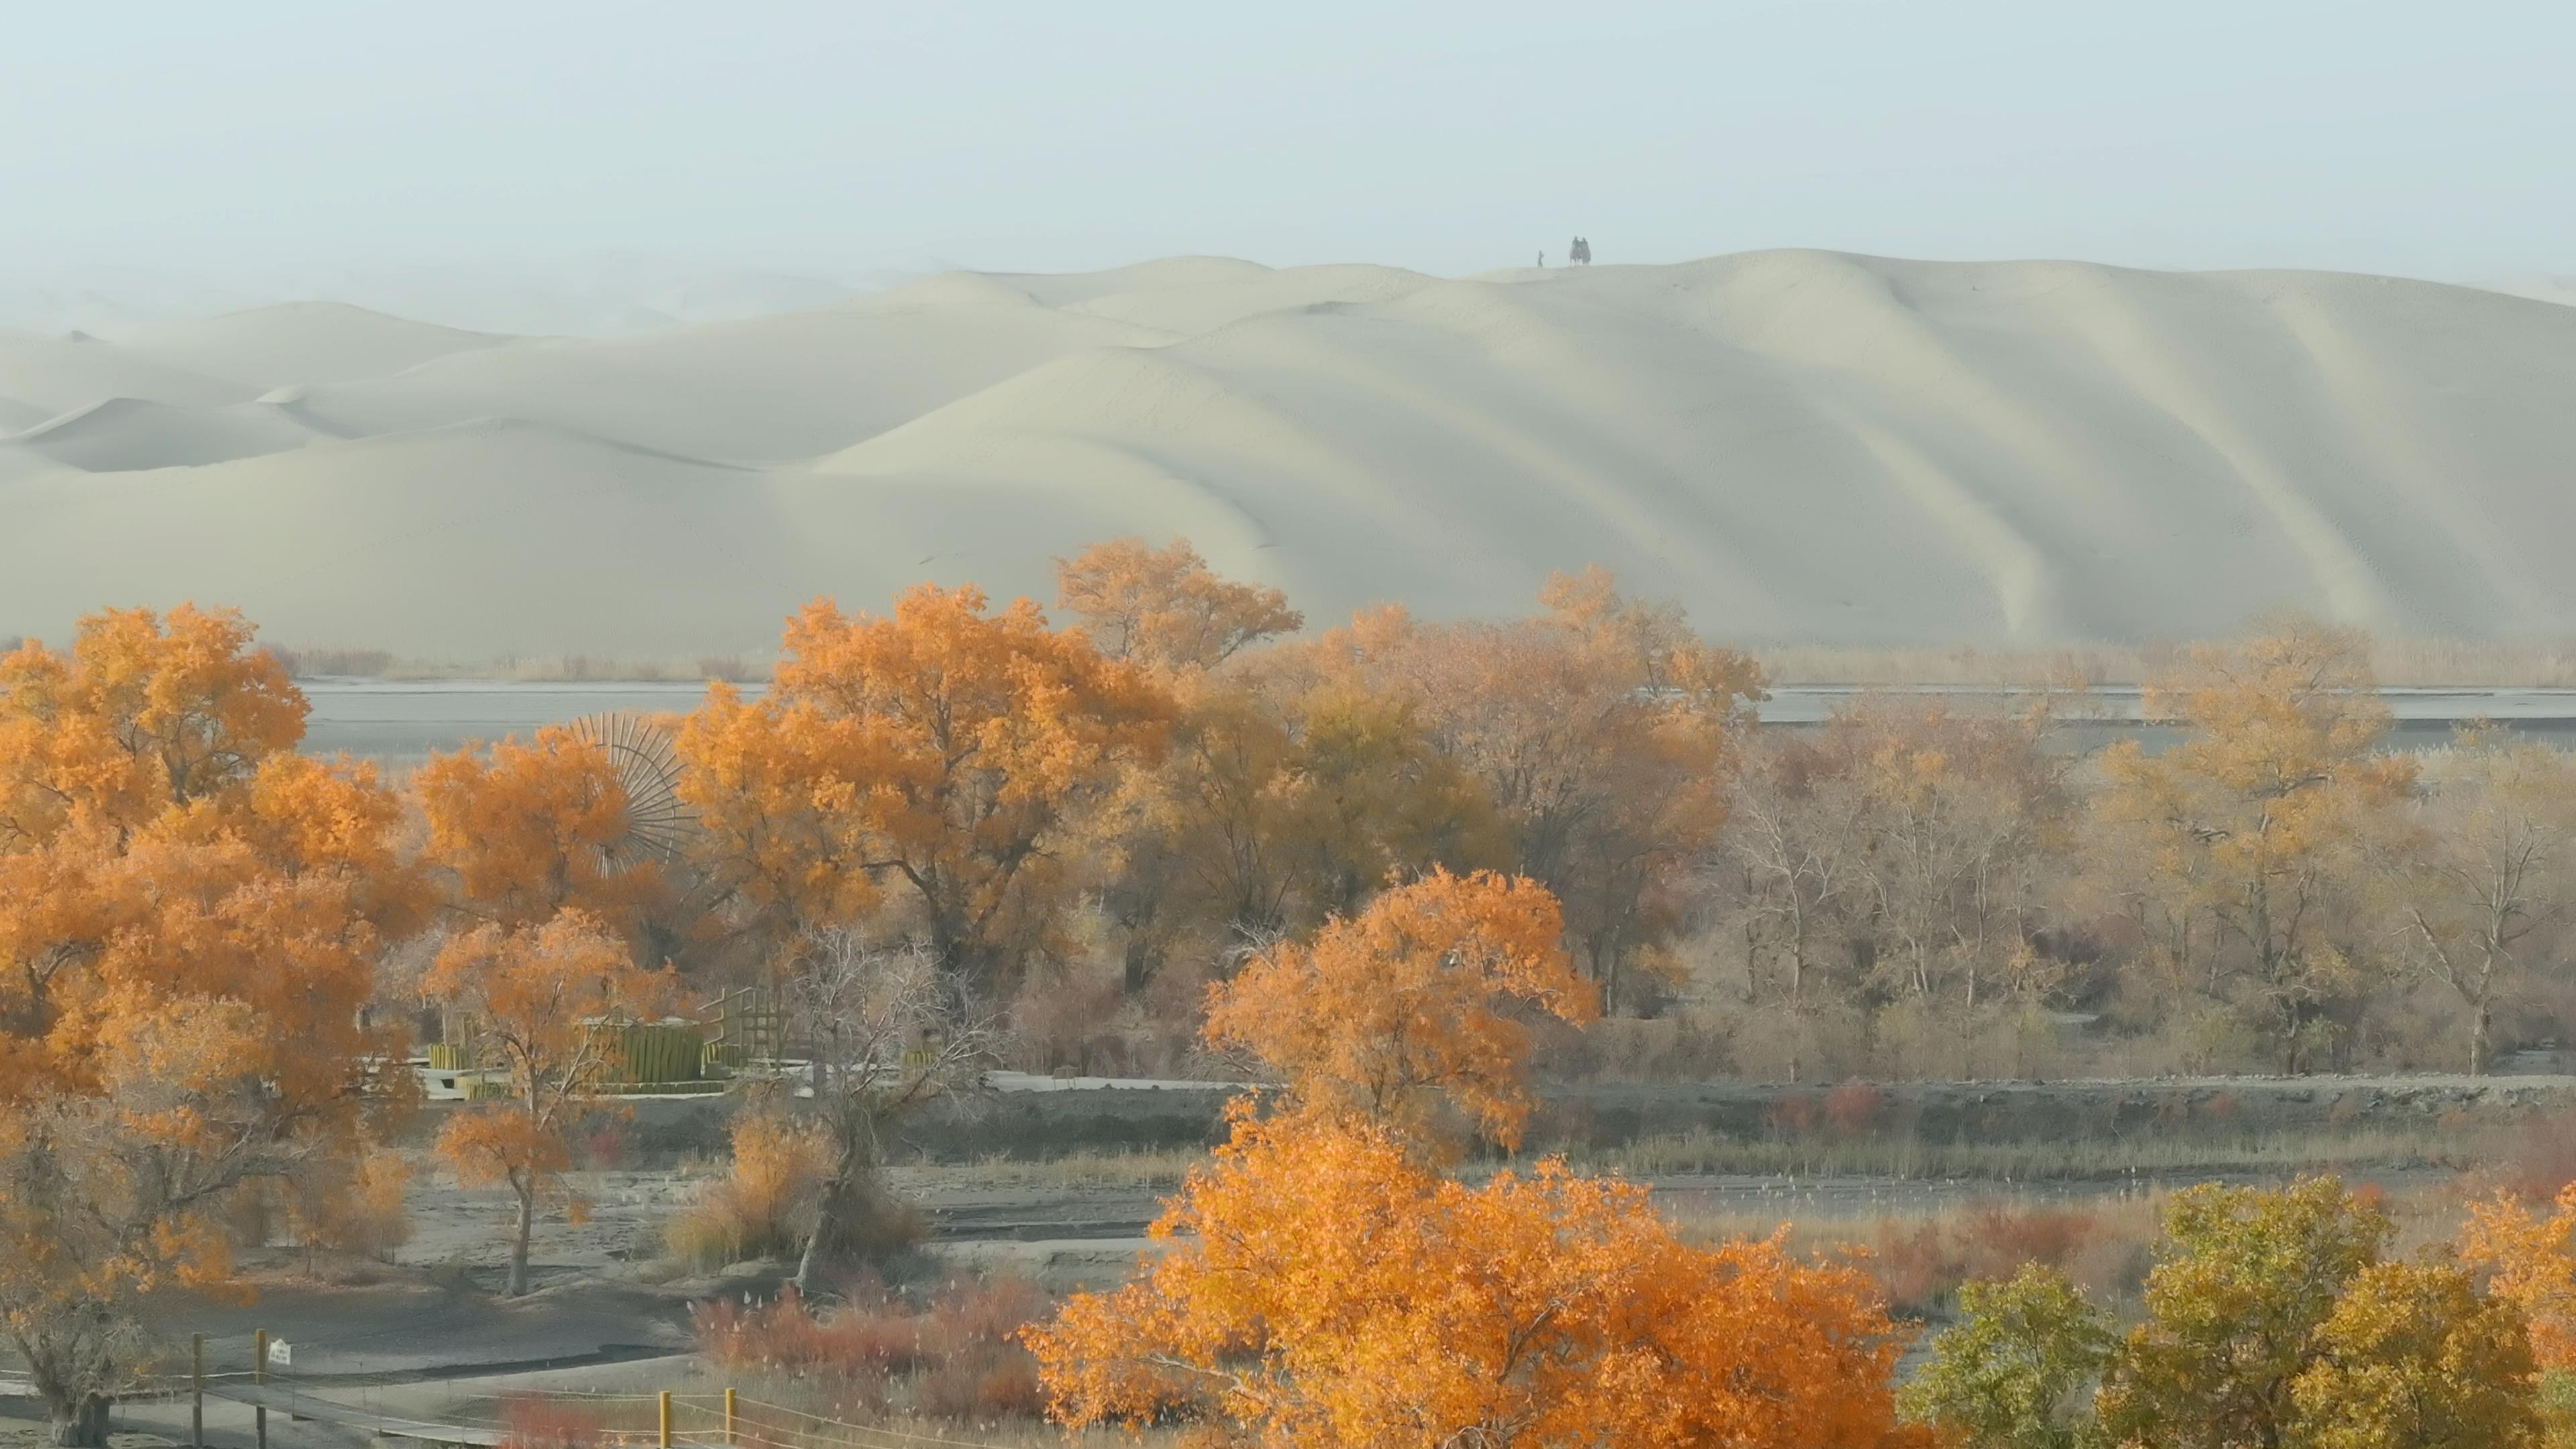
{"type": "Point", "coordinates": [281, 1354]}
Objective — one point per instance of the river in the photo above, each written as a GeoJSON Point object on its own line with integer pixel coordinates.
{"type": "Point", "coordinates": [401, 721]}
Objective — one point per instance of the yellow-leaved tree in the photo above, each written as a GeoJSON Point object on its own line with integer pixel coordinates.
{"type": "Point", "coordinates": [2246, 839]}
{"type": "Point", "coordinates": [1324, 1282]}
{"type": "Point", "coordinates": [936, 755]}
{"type": "Point", "coordinates": [1418, 1004]}
{"type": "Point", "coordinates": [547, 1001]}
{"type": "Point", "coordinates": [181, 898]}
{"type": "Point", "coordinates": [1605, 732]}
{"type": "Point", "coordinates": [526, 828]}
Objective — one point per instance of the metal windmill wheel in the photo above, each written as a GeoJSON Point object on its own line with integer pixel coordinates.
{"type": "Point", "coordinates": [640, 753]}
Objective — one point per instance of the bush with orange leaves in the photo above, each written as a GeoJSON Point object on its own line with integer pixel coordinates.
{"type": "Point", "coordinates": [2531, 1262]}
{"type": "Point", "coordinates": [1324, 1285]}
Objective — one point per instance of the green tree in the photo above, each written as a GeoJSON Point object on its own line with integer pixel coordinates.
{"type": "Point", "coordinates": [2244, 1280]}
{"type": "Point", "coordinates": [2012, 1374]}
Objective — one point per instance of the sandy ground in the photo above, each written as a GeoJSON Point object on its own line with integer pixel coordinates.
{"type": "Point", "coordinates": [1798, 445]}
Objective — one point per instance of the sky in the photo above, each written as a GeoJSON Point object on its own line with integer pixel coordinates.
{"type": "Point", "coordinates": [843, 136]}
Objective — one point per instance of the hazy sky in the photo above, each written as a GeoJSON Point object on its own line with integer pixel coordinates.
{"type": "Point", "coordinates": [2433, 140]}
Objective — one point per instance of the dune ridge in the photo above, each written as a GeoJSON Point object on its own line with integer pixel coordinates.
{"type": "Point", "coordinates": [1800, 446]}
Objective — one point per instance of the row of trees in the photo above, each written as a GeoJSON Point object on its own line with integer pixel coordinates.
{"type": "Point", "coordinates": [2275, 1318]}
{"type": "Point", "coordinates": [1325, 1280]}
{"type": "Point", "coordinates": [2276, 889]}
{"type": "Point", "coordinates": [1160, 793]}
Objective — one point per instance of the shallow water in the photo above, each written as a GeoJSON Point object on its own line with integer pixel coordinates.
{"type": "Point", "coordinates": [402, 721]}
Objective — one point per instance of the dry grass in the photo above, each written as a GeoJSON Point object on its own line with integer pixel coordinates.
{"type": "Point", "coordinates": [1073, 1172]}
{"type": "Point", "coordinates": [1906, 1158]}
{"type": "Point", "coordinates": [954, 1357]}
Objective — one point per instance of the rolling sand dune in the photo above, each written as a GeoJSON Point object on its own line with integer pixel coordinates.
{"type": "Point", "coordinates": [767, 390]}
{"type": "Point", "coordinates": [125, 434]}
{"type": "Point", "coordinates": [57, 375]}
{"type": "Point", "coordinates": [1798, 445]}
{"type": "Point", "coordinates": [303, 343]}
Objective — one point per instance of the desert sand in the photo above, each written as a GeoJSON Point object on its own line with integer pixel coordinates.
{"type": "Point", "coordinates": [1799, 446]}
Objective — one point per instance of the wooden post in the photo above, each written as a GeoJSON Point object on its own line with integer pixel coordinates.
{"type": "Point", "coordinates": [259, 1375]}
{"type": "Point", "coordinates": [729, 1432]}
{"type": "Point", "coordinates": [197, 1390]}
{"type": "Point", "coordinates": [665, 1407]}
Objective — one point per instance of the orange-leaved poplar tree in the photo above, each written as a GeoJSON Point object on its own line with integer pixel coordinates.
{"type": "Point", "coordinates": [1605, 731]}
{"type": "Point", "coordinates": [528, 828]}
{"type": "Point", "coordinates": [2530, 1259]}
{"type": "Point", "coordinates": [1165, 607]}
{"type": "Point", "coordinates": [937, 754]}
{"type": "Point", "coordinates": [547, 1002]}
{"type": "Point", "coordinates": [180, 893]}
{"type": "Point", "coordinates": [1323, 1284]}
{"type": "Point", "coordinates": [1420, 1002]}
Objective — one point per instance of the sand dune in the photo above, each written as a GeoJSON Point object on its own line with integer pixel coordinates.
{"type": "Point", "coordinates": [57, 375]}
{"type": "Point", "coordinates": [124, 434]}
{"type": "Point", "coordinates": [303, 343]}
{"type": "Point", "coordinates": [1798, 445]}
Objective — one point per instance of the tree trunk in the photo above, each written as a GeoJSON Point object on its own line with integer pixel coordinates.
{"type": "Point", "coordinates": [827, 1213]}
{"type": "Point", "coordinates": [81, 1423]}
{"type": "Point", "coordinates": [2481, 1027]}
{"type": "Point", "coordinates": [519, 1245]}
{"type": "Point", "coordinates": [1144, 958]}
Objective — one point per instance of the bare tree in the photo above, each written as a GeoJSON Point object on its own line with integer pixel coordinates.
{"type": "Point", "coordinates": [2490, 861]}
{"type": "Point", "coordinates": [889, 1032]}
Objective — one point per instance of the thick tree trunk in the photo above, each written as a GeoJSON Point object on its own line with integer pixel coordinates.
{"type": "Point", "coordinates": [519, 1245]}
{"type": "Point", "coordinates": [81, 1423]}
{"type": "Point", "coordinates": [2481, 1029]}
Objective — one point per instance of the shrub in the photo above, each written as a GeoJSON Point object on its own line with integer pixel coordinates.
{"type": "Point", "coordinates": [955, 1356]}
{"type": "Point", "coordinates": [359, 1211]}
{"type": "Point", "coordinates": [758, 1210]}
{"type": "Point", "coordinates": [1853, 1107]}
{"type": "Point", "coordinates": [1920, 1266]}
{"type": "Point", "coordinates": [534, 1422]}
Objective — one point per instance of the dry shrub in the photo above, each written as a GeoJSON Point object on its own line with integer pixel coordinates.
{"type": "Point", "coordinates": [2539, 1159]}
{"type": "Point", "coordinates": [1793, 1114]}
{"type": "Point", "coordinates": [954, 1356]}
{"type": "Point", "coordinates": [603, 1147]}
{"type": "Point", "coordinates": [756, 1210]}
{"type": "Point", "coordinates": [1996, 1239]}
{"type": "Point", "coordinates": [1852, 1109]}
{"type": "Point", "coordinates": [1920, 1265]}
{"type": "Point", "coordinates": [535, 1422]}
{"type": "Point", "coordinates": [358, 1210]}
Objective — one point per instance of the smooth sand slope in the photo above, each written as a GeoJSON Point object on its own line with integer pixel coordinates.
{"type": "Point", "coordinates": [1798, 445]}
